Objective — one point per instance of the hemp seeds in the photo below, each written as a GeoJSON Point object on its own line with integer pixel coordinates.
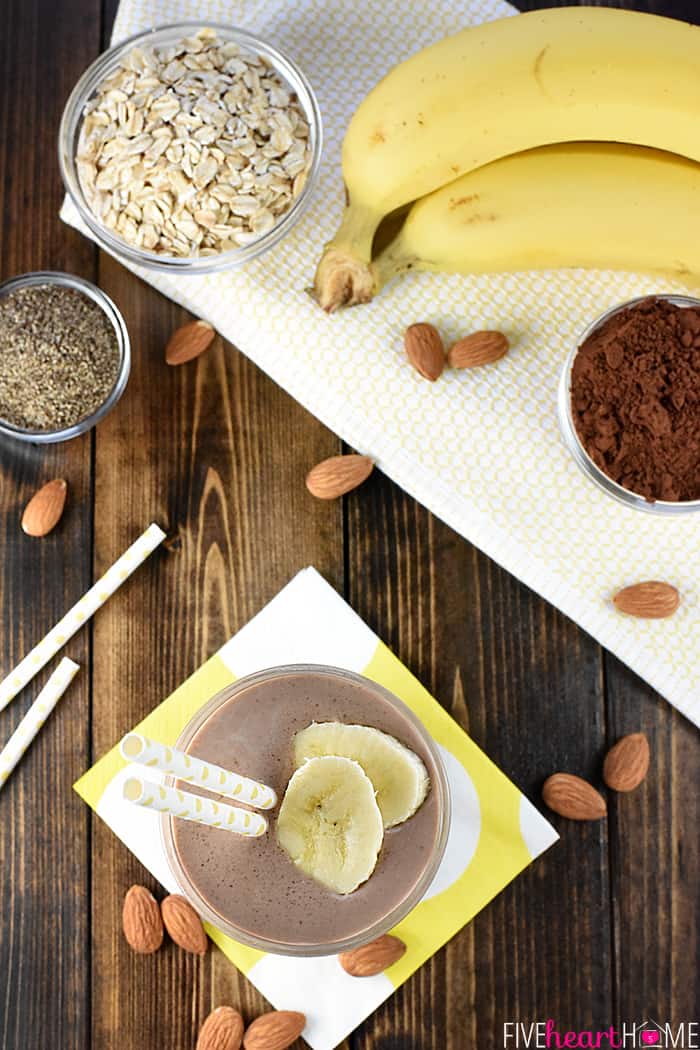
{"type": "Point", "coordinates": [59, 357]}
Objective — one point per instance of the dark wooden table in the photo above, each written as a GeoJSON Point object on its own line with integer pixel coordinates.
{"type": "Point", "coordinates": [603, 929]}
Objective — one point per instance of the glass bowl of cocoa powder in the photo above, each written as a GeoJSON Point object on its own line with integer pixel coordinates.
{"type": "Point", "coordinates": [629, 403]}
{"type": "Point", "coordinates": [64, 356]}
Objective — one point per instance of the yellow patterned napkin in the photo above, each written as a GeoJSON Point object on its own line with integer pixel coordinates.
{"type": "Point", "coordinates": [495, 832]}
{"type": "Point", "coordinates": [480, 449]}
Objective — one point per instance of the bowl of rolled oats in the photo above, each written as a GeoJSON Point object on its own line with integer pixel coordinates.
{"type": "Point", "coordinates": [190, 148]}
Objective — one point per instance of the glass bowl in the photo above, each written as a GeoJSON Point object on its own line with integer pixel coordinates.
{"type": "Point", "coordinates": [386, 922]}
{"type": "Point", "coordinates": [67, 280]}
{"type": "Point", "coordinates": [102, 67]}
{"type": "Point", "coordinates": [573, 442]}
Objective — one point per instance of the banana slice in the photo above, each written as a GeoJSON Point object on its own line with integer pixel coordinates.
{"type": "Point", "coordinates": [400, 779]}
{"type": "Point", "coordinates": [329, 823]}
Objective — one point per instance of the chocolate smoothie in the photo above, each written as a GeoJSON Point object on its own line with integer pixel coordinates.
{"type": "Point", "coordinates": [252, 883]}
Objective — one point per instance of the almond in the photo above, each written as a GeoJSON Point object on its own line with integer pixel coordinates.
{"type": "Point", "coordinates": [425, 351]}
{"type": "Point", "coordinates": [143, 926]}
{"type": "Point", "coordinates": [479, 348]}
{"type": "Point", "coordinates": [627, 762]}
{"type": "Point", "coordinates": [222, 1030]}
{"type": "Point", "coordinates": [274, 1031]}
{"type": "Point", "coordinates": [650, 599]}
{"type": "Point", "coordinates": [373, 958]}
{"type": "Point", "coordinates": [183, 924]}
{"type": "Point", "coordinates": [189, 341]}
{"type": "Point", "coordinates": [44, 510]}
{"type": "Point", "coordinates": [340, 474]}
{"type": "Point", "coordinates": [573, 797]}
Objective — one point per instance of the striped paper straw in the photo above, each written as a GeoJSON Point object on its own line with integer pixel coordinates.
{"type": "Point", "coordinates": [201, 810]}
{"type": "Point", "coordinates": [81, 611]}
{"type": "Point", "coordinates": [137, 748]}
{"type": "Point", "coordinates": [36, 716]}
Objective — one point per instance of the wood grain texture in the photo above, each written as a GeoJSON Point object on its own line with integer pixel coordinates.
{"type": "Point", "coordinates": [655, 858]}
{"type": "Point", "coordinates": [44, 829]}
{"type": "Point", "coordinates": [604, 928]}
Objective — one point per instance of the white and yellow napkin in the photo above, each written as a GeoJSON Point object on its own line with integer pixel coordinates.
{"type": "Point", "coordinates": [479, 449]}
{"type": "Point", "coordinates": [495, 832]}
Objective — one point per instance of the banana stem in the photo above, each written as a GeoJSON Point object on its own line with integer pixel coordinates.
{"type": "Point", "coordinates": [343, 276]}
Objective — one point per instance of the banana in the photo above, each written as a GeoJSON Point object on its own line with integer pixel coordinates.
{"type": "Point", "coordinates": [399, 777]}
{"type": "Point", "coordinates": [560, 75]}
{"type": "Point", "coordinates": [582, 204]}
{"type": "Point", "coordinates": [329, 823]}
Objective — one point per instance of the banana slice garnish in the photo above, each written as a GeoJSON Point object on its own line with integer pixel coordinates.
{"type": "Point", "coordinates": [330, 824]}
{"type": "Point", "coordinates": [399, 777]}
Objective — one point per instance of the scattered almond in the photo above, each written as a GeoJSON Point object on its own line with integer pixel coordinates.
{"type": "Point", "coordinates": [188, 342]}
{"type": "Point", "coordinates": [222, 1030]}
{"type": "Point", "coordinates": [627, 762]}
{"type": "Point", "coordinates": [479, 348]}
{"type": "Point", "coordinates": [425, 351]}
{"type": "Point", "coordinates": [373, 958]}
{"type": "Point", "coordinates": [183, 924]}
{"type": "Point", "coordinates": [274, 1031]}
{"type": "Point", "coordinates": [143, 926]}
{"type": "Point", "coordinates": [573, 797]}
{"type": "Point", "coordinates": [44, 510]}
{"type": "Point", "coordinates": [650, 599]}
{"type": "Point", "coordinates": [340, 474]}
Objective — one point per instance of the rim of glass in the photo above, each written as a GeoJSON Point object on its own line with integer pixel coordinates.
{"type": "Point", "coordinates": [570, 435]}
{"type": "Point", "coordinates": [72, 117]}
{"type": "Point", "coordinates": [79, 284]}
{"type": "Point", "coordinates": [400, 910]}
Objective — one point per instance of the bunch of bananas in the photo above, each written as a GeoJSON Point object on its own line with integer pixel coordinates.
{"type": "Point", "coordinates": [566, 137]}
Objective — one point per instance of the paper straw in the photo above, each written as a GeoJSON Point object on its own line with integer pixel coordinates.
{"type": "Point", "coordinates": [81, 611]}
{"type": "Point", "coordinates": [147, 752]}
{"type": "Point", "coordinates": [36, 716]}
{"type": "Point", "coordinates": [186, 806]}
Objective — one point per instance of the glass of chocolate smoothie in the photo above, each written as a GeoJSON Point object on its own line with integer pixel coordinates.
{"type": "Point", "coordinates": [250, 888]}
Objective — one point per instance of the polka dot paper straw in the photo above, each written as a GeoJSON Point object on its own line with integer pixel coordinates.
{"type": "Point", "coordinates": [201, 810]}
{"type": "Point", "coordinates": [81, 611]}
{"type": "Point", "coordinates": [36, 716]}
{"type": "Point", "coordinates": [137, 748]}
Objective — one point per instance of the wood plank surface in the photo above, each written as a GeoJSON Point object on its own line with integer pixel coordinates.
{"type": "Point", "coordinates": [655, 860]}
{"type": "Point", "coordinates": [603, 929]}
{"type": "Point", "coordinates": [44, 829]}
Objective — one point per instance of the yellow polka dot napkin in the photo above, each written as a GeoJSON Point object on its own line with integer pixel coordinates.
{"type": "Point", "coordinates": [494, 833]}
{"type": "Point", "coordinates": [480, 449]}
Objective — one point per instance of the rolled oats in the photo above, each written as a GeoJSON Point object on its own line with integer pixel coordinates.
{"type": "Point", "coordinates": [193, 149]}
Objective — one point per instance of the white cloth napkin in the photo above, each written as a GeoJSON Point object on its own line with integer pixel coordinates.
{"type": "Point", "coordinates": [480, 449]}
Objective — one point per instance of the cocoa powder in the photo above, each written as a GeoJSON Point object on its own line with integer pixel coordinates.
{"type": "Point", "coordinates": [635, 396]}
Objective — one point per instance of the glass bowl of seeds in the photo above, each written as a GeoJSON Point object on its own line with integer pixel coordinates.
{"type": "Point", "coordinates": [64, 356]}
{"type": "Point", "coordinates": [190, 148]}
